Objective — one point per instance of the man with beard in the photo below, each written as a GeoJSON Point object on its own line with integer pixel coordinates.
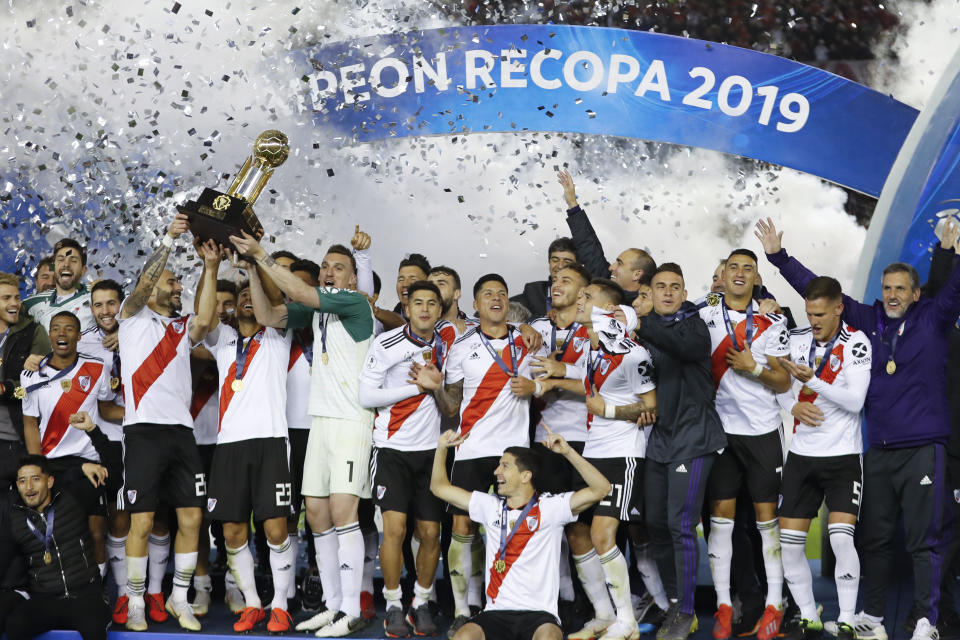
{"type": "Point", "coordinates": [44, 278]}
{"type": "Point", "coordinates": [69, 294]}
{"type": "Point", "coordinates": [160, 453]}
{"type": "Point", "coordinates": [907, 426]}
{"type": "Point", "coordinates": [20, 337]}
{"type": "Point", "coordinates": [537, 297]}
{"type": "Point", "coordinates": [632, 268]}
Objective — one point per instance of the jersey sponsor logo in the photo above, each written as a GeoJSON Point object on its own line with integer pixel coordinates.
{"type": "Point", "coordinates": [131, 495]}
{"type": "Point", "coordinates": [381, 491]}
{"type": "Point", "coordinates": [681, 469]}
{"type": "Point", "coordinates": [784, 338]}
{"type": "Point", "coordinates": [859, 350]}
{"type": "Point", "coordinates": [473, 356]}
{"type": "Point", "coordinates": [211, 504]}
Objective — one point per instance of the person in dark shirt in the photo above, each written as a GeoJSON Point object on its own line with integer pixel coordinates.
{"type": "Point", "coordinates": [536, 295]}
{"type": "Point", "coordinates": [907, 428]}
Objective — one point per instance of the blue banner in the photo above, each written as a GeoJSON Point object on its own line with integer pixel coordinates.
{"type": "Point", "coordinates": [606, 81]}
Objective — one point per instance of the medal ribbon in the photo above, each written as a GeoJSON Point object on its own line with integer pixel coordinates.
{"type": "Point", "coordinates": [731, 329]}
{"type": "Point", "coordinates": [3, 341]}
{"type": "Point", "coordinates": [323, 337]}
{"type": "Point", "coordinates": [593, 364]}
{"type": "Point", "coordinates": [115, 370]}
{"type": "Point", "coordinates": [572, 329]}
{"type": "Point", "coordinates": [882, 325]}
{"type": "Point", "coordinates": [59, 375]}
{"type": "Point", "coordinates": [47, 536]}
{"type": "Point", "coordinates": [435, 344]}
{"type": "Point", "coordinates": [243, 351]}
{"type": "Point", "coordinates": [826, 354]}
{"type": "Point", "coordinates": [505, 538]}
{"type": "Point", "coordinates": [307, 353]}
{"type": "Point", "coordinates": [496, 356]}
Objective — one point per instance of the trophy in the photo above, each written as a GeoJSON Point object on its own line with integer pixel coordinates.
{"type": "Point", "coordinates": [217, 216]}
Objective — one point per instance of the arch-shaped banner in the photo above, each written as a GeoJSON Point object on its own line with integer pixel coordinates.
{"type": "Point", "coordinates": [606, 81]}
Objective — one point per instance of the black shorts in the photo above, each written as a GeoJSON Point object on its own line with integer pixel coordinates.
{"type": "Point", "coordinates": [298, 452]}
{"type": "Point", "coordinates": [401, 482]}
{"type": "Point", "coordinates": [808, 479]}
{"type": "Point", "coordinates": [68, 477]}
{"type": "Point", "coordinates": [475, 474]}
{"type": "Point", "coordinates": [512, 625]}
{"type": "Point", "coordinates": [556, 474]}
{"type": "Point", "coordinates": [625, 500]}
{"type": "Point", "coordinates": [250, 476]}
{"type": "Point", "coordinates": [756, 460]}
{"type": "Point", "coordinates": [161, 461]}
{"type": "Point", "coordinates": [114, 464]}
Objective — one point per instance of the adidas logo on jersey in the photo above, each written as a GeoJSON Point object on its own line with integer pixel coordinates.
{"type": "Point", "coordinates": [712, 324]}
{"type": "Point", "coordinates": [345, 567]}
{"type": "Point", "coordinates": [681, 469]}
{"type": "Point", "coordinates": [925, 481]}
{"type": "Point", "coordinates": [847, 576]}
{"type": "Point", "coordinates": [474, 356]}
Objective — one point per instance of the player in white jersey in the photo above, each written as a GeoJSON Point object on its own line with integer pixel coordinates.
{"type": "Point", "coordinates": [454, 320]}
{"type": "Point", "coordinates": [524, 529]}
{"type": "Point", "coordinates": [487, 380]}
{"type": "Point", "coordinates": [249, 473]}
{"type": "Point", "coordinates": [160, 453]}
{"type": "Point", "coordinates": [69, 293]}
{"type": "Point", "coordinates": [404, 437]}
{"type": "Point", "coordinates": [832, 361]}
{"type": "Point", "coordinates": [746, 348]}
{"type": "Point", "coordinates": [337, 464]}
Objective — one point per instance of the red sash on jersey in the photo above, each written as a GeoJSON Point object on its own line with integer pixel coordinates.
{"type": "Point", "coordinates": [68, 404]}
{"type": "Point", "coordinates": [155, 363]}
{"type": "Point", "coordinates": [720, 365]}
{"type": "Point", "coordinates": [402, 410]}
{"type": "Point", "coordinates": [514, 549]}
{"type": "Point", "coordinates": [201, 396]}
{"type": "Point", "coordinates": [828, 375]}
{"type": "Point", "coordinates": [295, 353]}
{"type": "Point", "coordinates": [226, 391]}
{"type": "Point", "coordinates": [601, 375]}
{"type": "Point", "coordinates": [493, 382]}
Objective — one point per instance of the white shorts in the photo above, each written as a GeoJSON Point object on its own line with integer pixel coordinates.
{"type": "Point", "coordinates": [338, 458]}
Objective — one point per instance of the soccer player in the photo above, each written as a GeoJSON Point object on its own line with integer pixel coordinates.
{"type": "Point", "coordinates": [832, 361]}
{"type": "Point", "coordinates": [632, 268]}
{"type": "Point", "coordinates": [488, 384]}
{"type": "Point", "coordinates": [716, 281]}
{"type": "Point", "coordinates": [537, 297]}
{"type": "Point", "coordinates": [69, 294]}
{"type": "Point", "coordinates": [683, 443]}
{"type": "Point", "coordinates": [249, 473]}
{"type": "Point", "coordinates": [747, 373]}
{"type": "Point", "coordinates": [404, 437]}
{"type": "Point", "coordinates": [44, 278]}
{"type": "Point", "coordinates": [414, 268]}
{"type": "Point", "coordinates": [448, 282]}
{"type": "Point", "coordinates": [524, 530]}
{"type": "Point", "coordinates": [337, 464]}
{"type": "Point", "coordinates": [160, 454]}
{"type": "Point", "coordinates": [907, 425]}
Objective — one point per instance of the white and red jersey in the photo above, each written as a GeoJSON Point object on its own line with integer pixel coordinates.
{"type": "Point", "coordinates": [564, 411]}
{"type": "Point", "coordinates": [746, 407]}
{"type": "Point", "coordinates": [55, 400]}
{"type": "Point", "coordinates": [91, 343]}
{"type": "Point", "coordinates": [839, 392]}
{"type": "Point", "coordinates": [258, 408]}
{"type": "Point", "coordinates": [413, 423]}
{"type": "Point", "coordinates": [493, 417]}
{"type": "Point", "coordinates": [620, 374]}
{"type": "Point", "coordinates": [205, 404]}
{"type": "Point", "coordinates": [531, 579]}
{"type": "Point", "coordinates": [155, 351]}
{"type": "Point", "coordinates": [298, 380]}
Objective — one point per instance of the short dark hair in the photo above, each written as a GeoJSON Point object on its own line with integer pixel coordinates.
{"type": "Point", "coordinates": [376, 283]}
{"type": "Point", "coordinates": [645, 262]}
{"type": "Point", "coordinates": [283, 253]}
{"type": "Point", "coordinates": [416, 260]}
{"type": "Point", "coordinates": [35, 460]}
{"type": "Point", "coordinates": [447, 271]}
{"type": "Point", "coordinates": [526, 460]}
{"type": "Point", "coordinates": [903, 267]}
{"type": "Point", "coordinates": [243, 284]}
{"type": "Point", "coordinates": [742, 252]}
{"type": "Point", "coordinates": [227, 286]}
{"type": "Point", "coordinates": [611, 289]}
{"type": "Point", "coordinates": [65, 314]}
{"type": "Point", "coordinates": [823, 287]}
{"type": "Point", "coordinates": [581, 271]}
{"type": "Point", "coordinates": [341, 250]}
{"type": "Point", "coordinates": [490, 277]}
{"type": "Point", "coordinates": [46, 260]}
{"type": "Point", "coordinates": [70, 243]}
{"type": "Point", "coordinates": [561, 244]}
{"type": "Point", "coordinates": [669, 267]}
{"type": "Point", "coordinates": [108, 285]}
{"type": "Point", "coordinates": [426, 285]}
{"type": "Point", "coordinates": [309, 266]}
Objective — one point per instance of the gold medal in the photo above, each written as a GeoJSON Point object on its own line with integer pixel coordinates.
{"type": "Point", "coordinates": [324, 358]}
{"type": "Point", "coordinates": [713, 299]}
{"type": "Point", "coordinates": [891, 367]}
{"type": "Point", "coordinates": [1, 362]}
{"type": "Point", "coordinates": [499, 566]}
{"type": "Point", "coordinates": [427, 357]}
{"type": "Point", "coordinates": [114, 383]}
{"type": "Point", "coordinates": [66, 385]}
{"type": "Point", "coordinates": [47, 558]}
{"type": "Point", "coordinates": [19, 393]}
{"type": "Point", "coordinates": [805, 390]}
{"type": "Point", "coordinates": [237, 385]}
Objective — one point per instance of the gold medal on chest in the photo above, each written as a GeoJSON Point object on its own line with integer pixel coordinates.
{"type": "Point", "coordinates": [500, 566]}
{"type": "Point", "coordinates": [237, 386]}
{"type": "Point", "coordinates": [891, 367]}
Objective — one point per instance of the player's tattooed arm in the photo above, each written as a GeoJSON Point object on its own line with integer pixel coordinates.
{"type": "Point", "coordinates": [632, 412]}
{"type": "Point", "coordinates": [449, 397]}
{"type": "Point", "coordinates": [296, 289]}
{"type": "Point", "coordinates": [154, 266]}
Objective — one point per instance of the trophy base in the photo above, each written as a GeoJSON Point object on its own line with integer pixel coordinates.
{"type": "Point", "coordinates": [217, 216]}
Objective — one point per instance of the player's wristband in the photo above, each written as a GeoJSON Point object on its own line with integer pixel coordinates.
{"type": "Point", "coordinates": [609, 411]}
{"type": "Point", "coordinates": [537, 389]}
{"type": "Point", "coordinates": [167, 241]}
{"type": "Point", "coordinates": [757, 371]}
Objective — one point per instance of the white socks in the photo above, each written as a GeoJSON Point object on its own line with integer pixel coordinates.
{"type": "Point", "coordinates": [847, 570]}
{"type": "Point", "coordinates": [202, 584]}
{"type": "Point", "coordinates": [117, 558]}
{"type": "Point", "coordinates": [295, 545]}
{"type": "Point", "coordinates": [328, 565]}
{"type": "Point", "coordinates": [371, 547]}
{"type": "Point", "coordinates": [136, 579]}
{"type": "Point", "coordinates": [616, 573]}
{"type": "Point", "coordinates": [720, 551]}
{"type": "Point", "coordinates": [421, 595]}
{"type": "Point", "coordinates": [158, 550]}
{"type": "Point", "coordinates": [461, 566]}
{"type": "Point", "coordinates": [240, 562]}
{"type": "Point", "coordinates": [796, 570]}
{"type": "Point", "coordinates": [393, 598]}
{"type": "Point", "coordinates": [477, 562]}
{"type": "Point", "coordinates": [184, 564]}
{"type": "Point", "coordinates": [591, 577]}
{"type": "Point", "coordinates": [350, 554]}
{"type": "Point", "coordinates": [283, 557]}
{"type": "Point", "coordinates": [651, 575]}
{"type": "Point", "coordinates": [566, 582]}
{"type": "Point", "coordinates": [770, 544]}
